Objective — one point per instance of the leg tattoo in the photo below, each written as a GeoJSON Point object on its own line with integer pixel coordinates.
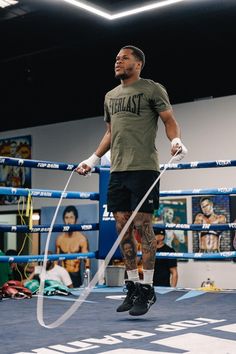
{"type": "Point", "coordinates": [143, 223]}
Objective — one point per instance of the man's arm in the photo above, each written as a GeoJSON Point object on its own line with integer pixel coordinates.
{"type": "Point", "coordinates": [174, 276]}
{"type": "Point", "coordinates": [105, 143]}
{"type": "Point", "coordinates": [171, 125]}
{"type": "Point", "coordinates": [65, 277]}
{"type": "Point", "coordinates": [199, 219]}
{"type": "Point", "coordinates": [173, 134]}
{"type": "Point", "coordinates": [57, 247]}
{"type": "Point", "coordinates": [86, 166]}
{"type": "Point", "coordinates": [222, 219]}
{"type": "Point", "coordinates": [85, 249]}
{"type": "Point", "coordinates": [234, 240]}
{"type": "Point", "coordinates": [58, 250]}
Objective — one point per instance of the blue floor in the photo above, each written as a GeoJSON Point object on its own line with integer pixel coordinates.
{"type": "Point", "coordinates": [181, 321]}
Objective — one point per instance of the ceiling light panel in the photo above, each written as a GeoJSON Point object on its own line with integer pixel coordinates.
{"type": "Point", "coordinates": [90, 7]}
{"type": "Point", "coordinates": [5, 3]}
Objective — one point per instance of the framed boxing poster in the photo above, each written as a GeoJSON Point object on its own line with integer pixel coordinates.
{"type": "Point", "coordinates": [233, 220]}
{"type": "Point", "coordinates": [173, 210]}
{"type": "Point", "coordinates": [211, 210]}
{"type": "Point", "coordinates": [72, 241]}
{"type": "Point", "coordinates": [15, 176]}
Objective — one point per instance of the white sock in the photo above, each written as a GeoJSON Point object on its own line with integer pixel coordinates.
{"type": "Point", "coordinates": [148, 276]}
{"type": "Point", "coordinates": [133, 275]}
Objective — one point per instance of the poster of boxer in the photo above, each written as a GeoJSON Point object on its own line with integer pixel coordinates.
{"type": "Point", "coordinates": [233, 220]}
{"type": "Point", "coordinates": [15, 176]}
{"type": "Point", "coordinates": [73, 241]}
{"type": "Point", "coordinates": [173, 210]}
{"type": "Point", "coordinates": [211, 210]}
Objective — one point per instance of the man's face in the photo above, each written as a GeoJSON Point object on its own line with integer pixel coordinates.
{"type": "Point", "coordinates": [159, 238]}
{"type": "Point", "coordinates": [69, 218]}
{"type": "Point", "coordinates": [126, 65]}
{"type": "Point", "coordinates": [128, 251]}
{"type": "Point", "coordinates": [207, 207]}
{"type": "Point", "coordinates": [168, 215]}
{"type": "Point", "coordinates": [13, 148]}
{"type": "Point", "coordinates": [24, 151]}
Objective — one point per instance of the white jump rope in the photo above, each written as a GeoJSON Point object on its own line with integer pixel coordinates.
{"type": "Point", "coordinates": [86, 291]}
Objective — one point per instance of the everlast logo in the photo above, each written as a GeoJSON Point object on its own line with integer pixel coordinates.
{"type": "Point", "coordinates": [126, 104]}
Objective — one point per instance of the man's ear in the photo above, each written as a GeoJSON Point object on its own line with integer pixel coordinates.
{"type": "Point", "coordinates": [139, 65]}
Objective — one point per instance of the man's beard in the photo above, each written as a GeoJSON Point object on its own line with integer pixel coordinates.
{"type": "Point", "coordinates": [121, 76]}
{"type": "Point", "coordinates": [125, 74]}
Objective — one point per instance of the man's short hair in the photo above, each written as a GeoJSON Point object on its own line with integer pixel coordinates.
{"type": "Point", "coordinates": [71, 209]}
{"type": "Point", "coordinates": [11, 252]}
{"type": "Point", "coordinates": [159, 232]}
{"type": "Point", "coordinates": [138, 53]}
{"type": "Point", "coordinates": [202, 199]}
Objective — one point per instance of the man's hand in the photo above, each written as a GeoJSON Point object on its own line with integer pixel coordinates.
{"type": "Point", "coordinates": [85, 167]}
{"type": "Point", "coordinates": [177, 145]}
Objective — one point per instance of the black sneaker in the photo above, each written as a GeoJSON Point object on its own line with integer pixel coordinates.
{"type": "Point", "coordinates": [145, 298]}
{"type": "Point", "coordinates": [129, 300]}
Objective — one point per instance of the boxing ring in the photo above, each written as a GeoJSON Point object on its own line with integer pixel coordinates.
{"type": "Point", "coordinates": [182, 321]}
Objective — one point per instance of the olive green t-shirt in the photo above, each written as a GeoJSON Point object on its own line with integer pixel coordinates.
{"type": "Point", "coordinates": [133, 112]}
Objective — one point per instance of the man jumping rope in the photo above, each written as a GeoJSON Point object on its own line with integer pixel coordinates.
{"type": "Point", "coordinates": [131, 113]}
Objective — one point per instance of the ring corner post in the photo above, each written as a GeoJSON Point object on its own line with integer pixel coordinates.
{"type": "Point", "coordinates": [107, 228]}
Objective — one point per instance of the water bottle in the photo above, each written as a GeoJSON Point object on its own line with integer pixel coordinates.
{"type": "Point", "coordinates": [86, 278]}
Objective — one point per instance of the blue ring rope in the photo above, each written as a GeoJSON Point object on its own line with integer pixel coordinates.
{"type": "Point", "coordinates": [95, 226]}
{"type": "Point", "coordinates": [220, 255]}
{"type": "Point", "coordinates": [47, 193]}
{"type": "Point", "coordinates": [200, 164]}
{"type": "Point", "coordinates": [46, 228]}
{"type": "Point", "coordinates": [177, 255]}
{"type": "Point", "coordinates": [196, 227]}
{"type": "Point", "coordinates": [12, 161]}
{"type": "Point", "coordinates": [195, 191]}
{"type": "Point", "coordinates": [52, 257]}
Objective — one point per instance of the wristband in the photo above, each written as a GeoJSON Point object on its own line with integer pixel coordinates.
{"type": "Point", "coordinates": [181, 149]}
{"type": "Point", "coordinates": [176, 141]}
{"type": "Point", "coordinates": [92, 161]}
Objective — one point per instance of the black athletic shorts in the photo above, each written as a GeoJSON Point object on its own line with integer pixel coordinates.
{"type": "Point", "coordinates": [126, 189]}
